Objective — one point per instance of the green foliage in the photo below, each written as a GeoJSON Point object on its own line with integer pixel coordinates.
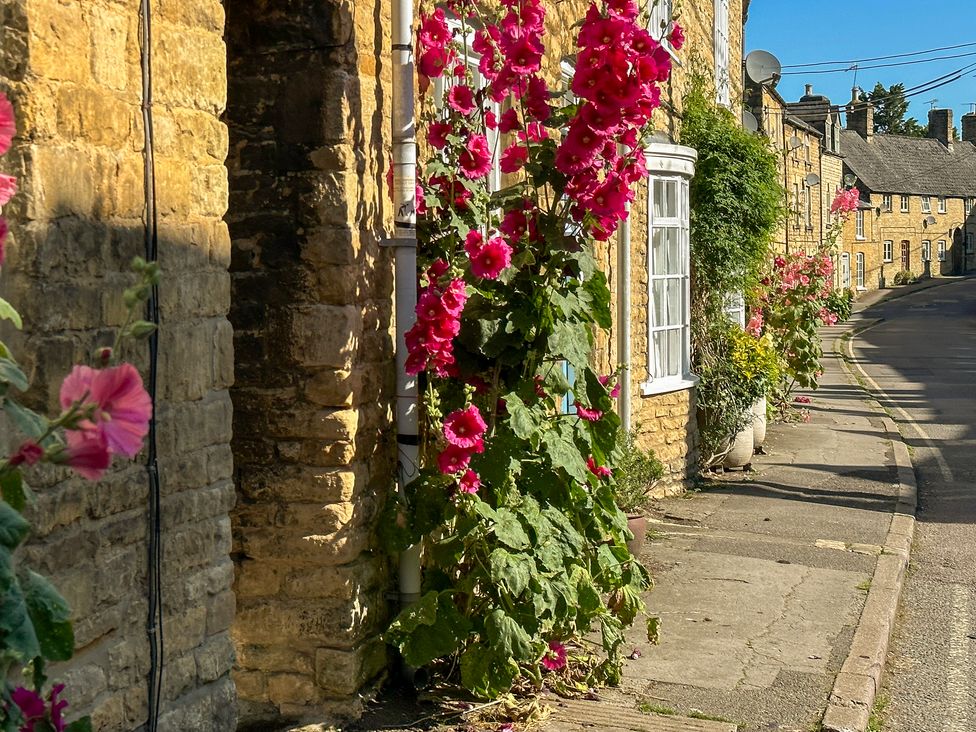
{"type": "Point", "coordinates": [736, 202]}
{"type": "Point", "coordinates": [905, 277]}
{"type": "Point", "coordinates": [840, 303]}
{"type": "Point", "coordinates": [890, 108]}
{"type": "Point", "coordinates": [636, 473]}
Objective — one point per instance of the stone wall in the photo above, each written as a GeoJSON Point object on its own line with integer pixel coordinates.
{"type": "Point", "coordinates": [312, 299]}
{"type": "Point", "coordinates": [72, 70]}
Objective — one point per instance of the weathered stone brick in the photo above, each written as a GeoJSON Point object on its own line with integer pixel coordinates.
{"type": "Point", "coordinates": [60, 42]}
{"type": "Point", "coordinates": [344, 672]}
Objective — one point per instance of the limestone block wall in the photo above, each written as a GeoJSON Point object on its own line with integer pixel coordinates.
{"type": "Point", "coordinates": [72, 70]}
{"type": "Point", "coordinates": [312, 312]}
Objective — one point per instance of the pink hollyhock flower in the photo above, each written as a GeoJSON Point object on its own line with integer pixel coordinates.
{"type": "Point", "coordinates": [524, 55]}
{"type": "Point", "coordinates": [536, 100]}
{"type": "Point", "coordinates": [31, 706]}
{"type": "Point", "coordinates": [755, 325]}
{"type": "Point", "coordinates": [28, 453]}
{"type": "Point", "coordinates": [677, 37]}
{"type": "Point", "coordinates": [432, 62]}
{"type": "Point", "coordinates": [469, 482]}
{"type": "Point", "coordinates": [122, 407]}
{"type": "Point", "coordinates": [600, 471]}
{"type": "Point", "coordinates": [509, 121]}
{"type": "Point", "coordinates": [437, 134]}
{"type": "Point", "coordinates": [437, 269]}
{"type": "Point", "coordinates": [491, 121]}
{"type": "Point", "coordinates": [514, 224]}
{"type": "Point", "coordinates": [475, 159]}
{"type": "Point", "coordinates": [845, 201]}
{"type": "Point", "coordinates": [454, 296]}
{"type": "Point", "coordinates": [464, 427]}
{"type": "Point", "coordinates": [8, 187]}
{"type": "Point", "coordinates": [461, 98]}
{"type": "Point", "coordinates": [590, 415]}
{"type": "Point", "coordinates": [514, 158]}
{"type": "Point", "coordinates": [453, 459]}
{"type": "Point", "coordinates": [88, 454]}
{"type": "Point", "coordinates": [539, 387]}
{"type": "Point", "coordinates": [493, 258]}
{"type": "Point", "coordinates": [626, 9]}
{"type": "Point", "coordinates": [555, 658]}
{"type": "Point", "coordinates": [8, 123]}
{"type": "Point", "coordinates": [615, 391]}
{"type": "Point", "coordinates": [57, 707]}
{"type": "Point", "coordinates": [473, 242]}
{"type": "Point", "coordinates": [434, 31]}
{"type": "Point", "coordinates": [802, 399]}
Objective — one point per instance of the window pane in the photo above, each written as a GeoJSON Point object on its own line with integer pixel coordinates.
{"type": "Point", "coordinates": [659, 293]}
{"type": "Point", "coordinates": [675, 302]}
{"type": "Point", "coordinates": [666, 199]}
{"type": "Point", "coordinates": [660, 354]}
{"type": "Point", "coordinates": [659, 253]}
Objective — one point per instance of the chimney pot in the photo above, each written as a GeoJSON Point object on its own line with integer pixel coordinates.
{"type": "Point", "coordinates": [809, 90]}
{"type": "Point", "coordinates": [969, 127]}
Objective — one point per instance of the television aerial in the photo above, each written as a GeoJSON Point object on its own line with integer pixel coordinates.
{"type": "Point", "coordinates": [762, 67]}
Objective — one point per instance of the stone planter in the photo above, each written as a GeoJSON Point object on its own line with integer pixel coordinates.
{"type": "Point", "coordinates": [759, 423]}
{"type": "Point", "coordinates": [638, 527]}
{"type": "Point", "coordinates": [742, 450]}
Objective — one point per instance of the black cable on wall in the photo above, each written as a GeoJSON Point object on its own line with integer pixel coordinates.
{"type": "Point", "coordinates": [154, 619]}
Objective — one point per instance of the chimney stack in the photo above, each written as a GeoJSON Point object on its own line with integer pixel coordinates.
{"type": "Point", "coordinates": [969, 127]}
{"type": "Point", "coordinates": [809, 90]}
{"type": "Point", "coordinates": [940, 126]}
{"type": "Point", "coordinates": [860, 116]}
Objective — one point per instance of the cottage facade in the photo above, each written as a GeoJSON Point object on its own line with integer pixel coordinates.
{"type": "Point", "coordinates": [276, 371]}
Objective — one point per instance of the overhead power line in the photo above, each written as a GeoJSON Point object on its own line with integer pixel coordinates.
{"type": "Point", "coordinates": [858, 67]}
{"type": "Point", "coordinates": [877, 58]}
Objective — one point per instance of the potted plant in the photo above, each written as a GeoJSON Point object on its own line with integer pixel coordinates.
{"type": "Point", "coordinates": [637, 472]}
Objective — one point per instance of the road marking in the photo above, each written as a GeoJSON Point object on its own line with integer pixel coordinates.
{"type": "Point", "coordinates": [944, 468]}
{"type": "Point", "coordinates": [957, 676]}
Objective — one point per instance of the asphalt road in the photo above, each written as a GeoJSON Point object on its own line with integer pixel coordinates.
{"type": "Point", "coordinates": [923, 358]}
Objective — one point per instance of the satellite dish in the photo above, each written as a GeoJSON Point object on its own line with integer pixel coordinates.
{"type": "Point", "coordinates": [749, 121]}
{"type": "Point", "coordinates": [850, 180]}
{"type": "Point", "coordinates": [762, 67]}
{"type": "Point", "coordinates": [795, 142]}
{"type": "Point", "coordinates": [812, 180]}
{"type": "Point", "coordinates": [929, 220]}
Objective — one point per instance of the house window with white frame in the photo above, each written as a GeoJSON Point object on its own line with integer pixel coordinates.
{"type": "Point", "coordinates": [668, 269]}
{"type": "Point", "coordinates": [723, 85]}
{"type": "Point", "coordinates": [443, 84]}
{"type": "Point", "coordinates": [660, 22]}
{"type": "Point", "coordinates": [886, 203]}
{"type": "Point", "coordinates": [859, 261]}
{"type": "Point", "coordinates": [859, 224]}
{"type": "Point", "coordinates": [942, 250]}
{"type": "Point", "coordinates": [942, 204]}
{"type": "Point", "coordinates": [808, 207]}
{"type": "Point", "coordinates": [926, 204]}
{"type": "Point", "coordinates": [904, 203]}
{"type": "Point", "coordinates": [926, 251]}
{"type": "Point", "coordinates": [889, 250]}
{"type": "Point", "coordinates": [969, 206]}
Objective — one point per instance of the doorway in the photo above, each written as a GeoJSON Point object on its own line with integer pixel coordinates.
{"type": "Point", "coordinates": [905, 251]}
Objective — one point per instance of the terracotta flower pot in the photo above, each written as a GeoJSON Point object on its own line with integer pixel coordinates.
{"type": "Point", "coordinates": [742, 450]}
{"type": "Point", "coordinates": [638, 527]}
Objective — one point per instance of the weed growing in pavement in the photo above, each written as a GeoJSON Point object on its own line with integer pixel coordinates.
{"type": "Point", "coordinates": [865, 586]}
{"type": "Point", "coordinates": [649, 708]}
{"type": "Point", "coordinates": [876, 721]}
{"type": "Point", "coordinates": [698, 714]}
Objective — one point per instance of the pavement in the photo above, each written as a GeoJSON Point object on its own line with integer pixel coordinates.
{"type": "Point", "coordinates": [777, 589]}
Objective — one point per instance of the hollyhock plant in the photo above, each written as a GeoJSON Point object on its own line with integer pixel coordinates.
{"type": "Point", "coordinates": [516, 495]}
{"type": "Point", "coordinates": [8, 187]}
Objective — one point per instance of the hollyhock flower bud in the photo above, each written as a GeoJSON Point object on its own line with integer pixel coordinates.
{"type": "Point", "coordinates": [590, 415]}
{"type": "Point", "coordinates": [464, 427]}
{"type": "Point", "coordinates": [29, 453]}
{"type": "Point", "coordinates": [492, 259]}
{"type": "Point", "coordinates": [475, 159]}
{"type": "Point", "coordinates": [461, 99]}
{"type": "Point", "coordinates": [600, 471]}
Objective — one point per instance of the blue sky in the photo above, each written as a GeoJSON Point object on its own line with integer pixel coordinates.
{"type": "Point", "coordinates": [833, 31]}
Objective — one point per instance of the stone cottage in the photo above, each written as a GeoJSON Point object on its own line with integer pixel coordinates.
{"type": "Point", "coordinates": [270, 141]}
{"type": "Point", "coordinates": [917, 198]}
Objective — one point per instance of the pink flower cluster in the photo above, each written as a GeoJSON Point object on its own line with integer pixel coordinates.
{"type": "Point", "coordinates": [34, 709]}
{"type": "Point", "coordinates": [430, 342]}
{"type": "Point", "coordinates": [618, 72]}
{"type": "Point", "coordinates": [117, 410]}
{"type": "Point", "coordinates": [8, 183]}
{"type": "Point", "coordinates": [488, 259]}
{"type": "Point", "coordinates": [464, 431]}
{"type": "Point", "coordinates": [845, 201]}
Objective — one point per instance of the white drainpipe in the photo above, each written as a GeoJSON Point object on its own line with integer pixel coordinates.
{"type": "Point", "coordinates": [623, 320]}
{"type": "Point", "coordinates": [405, 243]}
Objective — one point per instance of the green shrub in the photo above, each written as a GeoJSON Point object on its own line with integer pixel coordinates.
{"type": "Point", "coordinates": [905, 277]}
{"type": "Point", "coordinates": [636, 474]}
{"type": "Point", "coordinates": [840, 303]}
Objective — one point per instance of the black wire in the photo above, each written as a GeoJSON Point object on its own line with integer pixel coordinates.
{"type": "Point", "coordinates": [154, 619]}
{"type": "Point", "coordinates": [858, 67]}
{"type": "Point", "coordinates": [877, 58]}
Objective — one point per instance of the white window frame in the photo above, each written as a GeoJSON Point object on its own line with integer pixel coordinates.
{"type": "Point", "coordinates": [808, 207]}
{"type": "Point", "coordinates": [441, 87]}
{"type": "Point", "coordinates": [889, 250]}
{"type": "Point", "coordinates": [859, 269]}
{"type": "Point", "coordinates": [905, 203]}
{"type": "Point", "coordinates": [720, 41]}
{"type": "Point", "coordinates": [926, 204]}
{"type": "Point", "coordinates": [926, 250]}
{"type": "Point", "coordinates": [886, 203]}
{"type": "Point", "coordinates": [969, 206]}
{"type": "Point", "coordinates": [941, 250]}
{"type": "Point", "coordinates": [859, 224]}
{"type": "Point", "coordinates": [671, 163]}
{"type": "Point", "coordinates": [735, 308]}
{"type": "Point", "coordinates": [942, 204]}
{"type": "Point", "coordinates": [845, 270]}
{"type": "Point", "coordinates": [659, 23]}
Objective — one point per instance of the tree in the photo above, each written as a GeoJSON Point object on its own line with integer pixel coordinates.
{"type": "Point", "coordinates": [890, 108]}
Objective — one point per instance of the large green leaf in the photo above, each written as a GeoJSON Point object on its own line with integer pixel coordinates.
{"type": "Point", "coordinates": [485, 673]}
{"type": "Point", "coordinates": [429, 629]}
{"type": "Point", "coordinates": [10, 373]}
{"type": "Point", "coordinates": [8, 312]}
{"type": "Point", "coordinates": [81, 725]}
{"type": "Point", "coordinates": [509, 529]}
{"type": "Point", "coordinates": [596, 286]}
{"type": "Point", "coordinates": [51, 617]}
{"type": "Point", "coordinates": [564, 453]}
{"type": "Point", "coordinates": [509, 571]}
{"type": "Point", "coordinates": [17, 634]}
{"type": "Point", "coordinates": [30, 422]}
{"type": "Point", "coordinates": [13, 527]}
{"type": "Point", "coordinates": [15, 491]}
{"type": "Point", "coordinates": [525, 421]}
{"type": "Point", "coordinates": [507, 637]}
{"type": "Point", "coordinates": [571, 341]}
